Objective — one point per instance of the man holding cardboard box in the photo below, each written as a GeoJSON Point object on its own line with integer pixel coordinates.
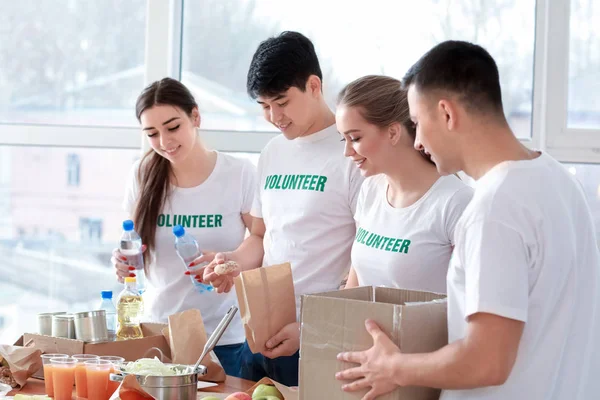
{"type": "Point", "coordinates": [524, 280]}
{"type": "Point", "coordinates": [307, 193]}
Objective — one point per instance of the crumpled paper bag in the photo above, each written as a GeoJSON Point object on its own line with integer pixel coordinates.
{"type": "Point", "coordinates": [22, 362]}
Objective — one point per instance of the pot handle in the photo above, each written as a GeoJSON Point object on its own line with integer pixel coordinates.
{"type": "Point", "coordinates": [161, 355]}
{"type": "Point", "coordinates": [116, 377]}
{"type": "Point", "coordinates": [201, 370]}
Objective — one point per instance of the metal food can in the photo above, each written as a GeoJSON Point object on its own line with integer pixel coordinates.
{"type": "Point", "coordinates": [90, 326]}
{"type": "Point", "coordinates": [45, 322]}
{"type": "Point", "coordinates": [63, 326]}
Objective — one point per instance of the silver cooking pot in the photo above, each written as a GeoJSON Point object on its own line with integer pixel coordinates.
{"type": "Point", "coordinates": [185, 385]}
{"type": "Point", "coordinates": [178, 387]}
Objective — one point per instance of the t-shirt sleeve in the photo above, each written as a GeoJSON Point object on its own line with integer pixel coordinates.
{"type": "Point", "coordinates": [355, 182]}
{"type": "Point", "coordinates": [496, 268]}
{"type": "Point", "coordinates": [132, 189]}
{"type": "Point", "coordinates": [256, 210]}
{"type": "Point", "coordinates": [454, 209]}
{"type": "Point", "coordinates": [248, 187]}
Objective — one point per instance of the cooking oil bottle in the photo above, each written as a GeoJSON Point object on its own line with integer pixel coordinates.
{"type": "Point", "coordinates": [130, 308]}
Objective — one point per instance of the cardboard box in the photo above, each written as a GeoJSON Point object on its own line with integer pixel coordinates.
{"type": "Point", "coordinates": [334, 322]}
{"type": "Point", "coordinates": [131, 350]}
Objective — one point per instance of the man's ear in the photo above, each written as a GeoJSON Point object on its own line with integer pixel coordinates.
{"type": "Point", "coordinates": [448, 110]}
{"type": "Point", "coordinates": [314, 85]}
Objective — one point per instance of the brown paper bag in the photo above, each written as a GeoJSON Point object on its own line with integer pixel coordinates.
{"type": "Point", "coordinates": [187, 338]}
{"type": "Point", "coordinates": [23, 362]}
{"type": "Point", "coordinates": [267, 303]}
{"type": "Point", "coordinates": [287, 392]}
{"type": "Point", "coordinates": [130, 389]}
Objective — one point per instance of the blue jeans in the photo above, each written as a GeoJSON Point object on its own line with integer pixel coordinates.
{"type": "Point", "coordinates": [230, 356]}
{"type": "Point", "coordinates": [284, 370]}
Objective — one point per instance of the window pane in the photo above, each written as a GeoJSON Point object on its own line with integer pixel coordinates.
{"type": "Point", "coordinates": [56, 237]}
{"type": "Point", "coordinates": [387, 37]}
{"type": "Point", "coordinates": [584, 65]}
{"type": "Point", "coordinates": [71, 62]}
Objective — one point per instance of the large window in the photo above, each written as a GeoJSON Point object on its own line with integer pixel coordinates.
{"type": "Point", "coordinates": [70, 71]}
{"type": "Point", "coordinates": [71, 62]}
{"type": "Point", "coordinates": [387, 37]}
{"type": "Point", "coordinates": [56, 239]}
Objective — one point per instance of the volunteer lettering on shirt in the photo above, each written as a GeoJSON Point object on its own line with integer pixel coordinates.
{"type": "Point", "coordinates": [191, 221]}
{"type": "Point", "coordinates": [382, 242]}
{"type": "Point", "coordinates": [296, 182]}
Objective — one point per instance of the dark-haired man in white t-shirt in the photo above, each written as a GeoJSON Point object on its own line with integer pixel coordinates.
{"type": "Point", "coordinates": [305, 203]}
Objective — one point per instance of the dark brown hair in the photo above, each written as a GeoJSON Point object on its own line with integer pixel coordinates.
{"type": "Point", "coordinates": [155, 170]}
{"type": "Point", "coordinates": [381, 101]}
{"type": "Point", "coordinates": [461, 68]}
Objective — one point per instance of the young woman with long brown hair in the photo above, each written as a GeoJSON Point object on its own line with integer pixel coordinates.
{"type": "Point", "coordinates": [181, 182]}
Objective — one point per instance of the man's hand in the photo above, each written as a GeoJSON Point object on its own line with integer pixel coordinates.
{"type": "Point", "coordinates": [375, 368]}
{"type": "Point", "coordinates": [286, 342]}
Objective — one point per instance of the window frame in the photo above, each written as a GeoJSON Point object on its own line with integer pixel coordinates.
{"type": "Point", "coordinates": [566, 144]}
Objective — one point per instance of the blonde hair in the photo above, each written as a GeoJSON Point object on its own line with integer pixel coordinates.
{"type": "Point", "coordinates": [381, 101]}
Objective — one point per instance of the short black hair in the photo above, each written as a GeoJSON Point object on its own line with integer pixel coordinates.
{"type": "Point", "coordinates": [462, 68]}
{"type": "Point", "coordinates": [282, 62]}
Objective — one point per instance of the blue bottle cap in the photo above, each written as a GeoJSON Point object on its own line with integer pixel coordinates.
{"type": "Point", "coordinates": [106, 294]}
{"type": "Point", "coordinates": [178, 231]}
{"type": "Point", "coordinates": [128, 225]}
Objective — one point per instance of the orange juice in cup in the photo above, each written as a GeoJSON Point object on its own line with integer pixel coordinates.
{"type": "Point", "coordinates": [48, 371]}
{"type": "Point", "coordinates": [116, 363]}
{"type": "Point", "coordinates": [97, 372]}
{"type": "Point", "coordinates": [63, 377]}
{"type": "Point", "coordinates": [80, 373]}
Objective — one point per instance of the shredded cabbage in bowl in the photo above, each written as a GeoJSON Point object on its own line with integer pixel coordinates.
{"type": "Point", "coordinates": [154, 367]}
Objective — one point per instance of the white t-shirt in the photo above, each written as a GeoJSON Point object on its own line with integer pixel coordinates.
{"type": "Point", "coordinates": [408, 247]}
{"type": "Point", "coordinates": [211, 212]}
{"type": "Point", "coordinates": [307, 197]}
{"type": "Point", "coordinates": [526, 250]}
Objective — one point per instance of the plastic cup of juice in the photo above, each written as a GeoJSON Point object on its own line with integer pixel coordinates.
{"type": "Point", "coordinates": [63, 377]}
{"type": "Point", "coordinates": [97, 372]}
{"type": "Point", "coordinates": [48, 371]}
{"type": "Point", "coordinates": [116, 363]}
{"type": "Point", "coordinates": [80, 373]}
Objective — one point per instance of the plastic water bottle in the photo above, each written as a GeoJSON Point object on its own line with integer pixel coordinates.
{"type": "Point", "coordinates": [111, 313]}
{"type": "Point", "coordinates": [131, 247]}
{"type": "Point", "coordinates": [188, 250]}
{"type": "Point", "coordinates": [130, 309]}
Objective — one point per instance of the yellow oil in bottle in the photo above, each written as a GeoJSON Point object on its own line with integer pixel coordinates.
{"type": "Point", "coordinates": [130, 308]}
